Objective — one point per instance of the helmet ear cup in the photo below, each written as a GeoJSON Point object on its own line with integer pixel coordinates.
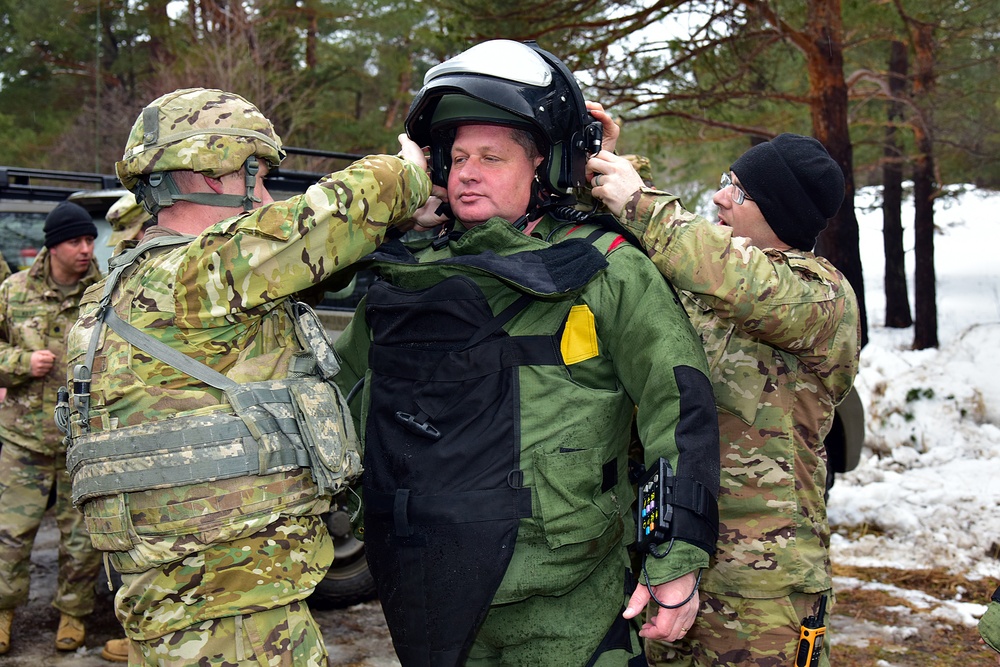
{"type": "Point", "coordinates": [441, 157]}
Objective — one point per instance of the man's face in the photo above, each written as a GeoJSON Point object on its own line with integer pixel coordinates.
{"type": "Point", "coordinates": [491, 175]}
{"type": "Point", "coordinates": [745, 219]}
{"type": "Point", "coordinates": [71, 258]}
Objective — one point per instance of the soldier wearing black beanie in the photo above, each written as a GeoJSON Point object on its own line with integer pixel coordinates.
{"type": "Point", "coordinates": [796, 185]}
{"type": "Point", "coordinates": [68, 221]}
{"type": "Point", "coordinates": [780, 326]}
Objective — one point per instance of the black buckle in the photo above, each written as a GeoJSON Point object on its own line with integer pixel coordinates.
{"type": "Point", "coordinates": [424, 428]}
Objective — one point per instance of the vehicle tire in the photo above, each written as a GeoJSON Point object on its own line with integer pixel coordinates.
{"type": "Point", "coordinates": [348, 581]}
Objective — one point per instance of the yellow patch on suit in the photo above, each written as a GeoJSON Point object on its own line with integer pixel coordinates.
{"type": "Point", "coordinates": [579, 339]}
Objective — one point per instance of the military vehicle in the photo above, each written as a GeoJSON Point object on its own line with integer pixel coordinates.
{"type": "Point", "coordinates": [27, 195]}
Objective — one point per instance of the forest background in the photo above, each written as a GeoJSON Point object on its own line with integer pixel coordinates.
{"type": "Point", "coordinates": [902, 92]}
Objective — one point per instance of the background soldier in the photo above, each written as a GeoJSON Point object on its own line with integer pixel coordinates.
{"type": "Point", "coordinates": [4, 269]}
{"type": "Point", "coordinates": [780, 325]}
{"type": "Point", "coordinates": [37, 308]}
{"type": "Point", "coordinates": [223, 501]}
{"type": "Point", "coordinates": [4, 272]}
{"type": "Point", "coordinates": [128, 219]}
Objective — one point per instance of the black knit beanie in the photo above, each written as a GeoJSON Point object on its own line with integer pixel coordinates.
{"type": "Point", "coordinates": [68, 221]}
{"type": "Point", "coordinates": [796, 185]}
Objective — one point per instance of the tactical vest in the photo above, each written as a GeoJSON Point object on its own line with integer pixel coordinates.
{"type": "Point", "coordinates": [443, 492]}
{"type": "Point", "coordinates": [268, 427]}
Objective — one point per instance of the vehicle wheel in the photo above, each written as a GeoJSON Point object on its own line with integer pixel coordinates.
{"type": "Point", "coordinates": [348, 581]}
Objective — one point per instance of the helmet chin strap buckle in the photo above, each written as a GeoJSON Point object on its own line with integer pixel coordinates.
{"type": "Point", "coordinates": [250, 169]}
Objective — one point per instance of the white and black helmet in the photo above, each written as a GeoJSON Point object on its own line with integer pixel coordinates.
{"type": "Point", "coordinates": [516, 84]}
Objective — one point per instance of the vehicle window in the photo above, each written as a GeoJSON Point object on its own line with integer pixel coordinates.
{"type": "Point", "coordinates": [21, 237]}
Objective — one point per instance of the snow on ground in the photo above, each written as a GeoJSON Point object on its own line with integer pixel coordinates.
{"type": "Point", "coordinates": [927, 491]}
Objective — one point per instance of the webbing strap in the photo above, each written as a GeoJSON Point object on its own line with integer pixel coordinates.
{"type": "Point", "coordinates": [167, 354]}
{"type": "Point", "coordinates": [119, 263]}
{"type": "Point", "coordinates": [502, 318]}
{"type": "Point", "coordinates": [451, 508]}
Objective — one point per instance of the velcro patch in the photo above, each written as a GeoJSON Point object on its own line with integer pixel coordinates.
{"type": "Point", "coordinates": [579, 340]}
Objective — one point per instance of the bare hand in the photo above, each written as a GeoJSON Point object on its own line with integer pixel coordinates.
{"type": "Point", "coordinates": [613, 180]}
{"type": "Point", "coordinates": [411, 151]}
{"type": "Point", "coordinates": [667, 624]}
{"type": "Point", "coordinates": [611, 129]}
{"type": "Point", "coordinates": [426, 217]}
{"type": "Point", "coordinates": [42, 362]}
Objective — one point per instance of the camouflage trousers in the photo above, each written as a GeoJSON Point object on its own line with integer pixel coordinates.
{"type": "Point", "coordinates": [283, 637]}
{"type": "Point", "coordinates": [25, 484]}
{"type": "Point", "coordinates": [569, 630]}
{"type": "Point", "coordinates": [744, 631]}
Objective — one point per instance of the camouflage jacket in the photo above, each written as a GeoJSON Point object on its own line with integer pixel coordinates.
{"type": "Point", "coordinates": [219, 300]}
{"type": "Point", "coordinates": [781, 332]}
{"type": "Point", "coordinates": [34, 315]}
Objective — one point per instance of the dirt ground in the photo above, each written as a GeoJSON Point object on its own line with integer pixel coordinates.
{"type": "Point", "coordinates": [868, 628]}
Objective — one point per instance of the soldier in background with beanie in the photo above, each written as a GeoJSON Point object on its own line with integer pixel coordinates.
{"type": "Point", "coordinates": [781, 328]}
{"type": "Point", "coordinates": [38, 306]}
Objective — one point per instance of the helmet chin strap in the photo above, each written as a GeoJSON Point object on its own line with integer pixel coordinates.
{"type": "Point", "coordinates": [539, 202]}
{"type": "Point", "coordinates": [162, 191]}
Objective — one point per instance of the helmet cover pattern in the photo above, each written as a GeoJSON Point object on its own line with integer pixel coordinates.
{"type": "Point", "coordinates": [197, 129]}
{"type": "Point", "coordinates": [126, 217]}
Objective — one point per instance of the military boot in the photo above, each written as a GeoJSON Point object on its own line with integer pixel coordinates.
{"type": "Point", "coordinates": [6, 619]}
{"type": "Point", "coordinates": [115, 650]}
{"type": "Point", "coordinates": [71, 633]}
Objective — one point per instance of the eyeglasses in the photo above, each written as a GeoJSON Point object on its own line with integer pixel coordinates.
{"type": "Point", "coordinates": [740, 195]}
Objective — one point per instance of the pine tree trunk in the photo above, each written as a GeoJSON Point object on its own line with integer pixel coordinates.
{"type": "Point", "coordinates": [825, 57]}
{"type": "Point", "coordinates": [925, 333]}
{"type": "Point", "coordinates": [897, 300]}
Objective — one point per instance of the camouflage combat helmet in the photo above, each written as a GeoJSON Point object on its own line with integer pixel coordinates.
{"type": "Point", "coordinates": [196, 129]}
{"type": "Point", "coordinates": [126, 217]}
{"type": "Point", "coordinates": [516, 84]}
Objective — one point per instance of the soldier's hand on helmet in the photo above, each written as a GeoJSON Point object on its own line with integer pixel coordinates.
{"type": "Point", "coordinates": [42, 362]}
{"type": "Point", "coordinates": [666, 624]}
{"type": "Point", "coordinates": [611, 130]}
{"type": "Point", "coordinates": [613, 180]}
{"type": "Point", "coordinates": [409, 150]}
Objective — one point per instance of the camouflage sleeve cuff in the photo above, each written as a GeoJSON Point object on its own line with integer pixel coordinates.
{"type": "Point", "coordinates": [637, 214]}
{"type": "Point", "coordinates": [17, 369]}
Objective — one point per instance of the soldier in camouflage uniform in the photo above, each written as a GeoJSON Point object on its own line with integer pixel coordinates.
{"type": "Point", "coordinates": [4, 272]}
{"type": "Point", "coordinates": [216, 570]}
{"type": "Point", "coordinates": [37, 308]}
{"type": "Point", "coordinates": [781, 326]}
{"type": "Point", "coordinates": [4, 269]}
{"type": "Point", "coordinates": [128, 219]}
